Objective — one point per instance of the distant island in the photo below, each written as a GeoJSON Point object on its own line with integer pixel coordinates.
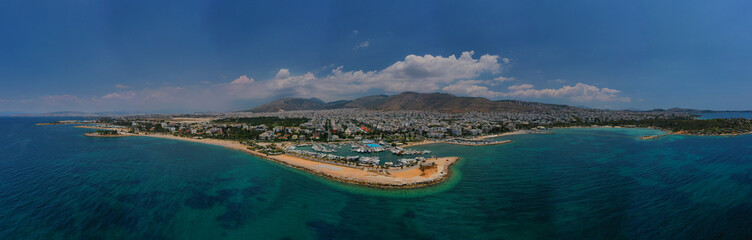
{"type": "Point", "coordinates": [306, 133]}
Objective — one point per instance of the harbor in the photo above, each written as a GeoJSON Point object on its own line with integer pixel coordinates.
{"type": "Point", "coordinates": [361, 153]}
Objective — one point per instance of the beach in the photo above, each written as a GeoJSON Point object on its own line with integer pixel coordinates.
{"type": "Point", "coordinates": [392, 178]}
{"type": "Point", "coordinates": [518, 132]}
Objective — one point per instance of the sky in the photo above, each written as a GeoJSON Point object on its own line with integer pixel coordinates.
{"type": "Point", "coordinates": [200, 56]}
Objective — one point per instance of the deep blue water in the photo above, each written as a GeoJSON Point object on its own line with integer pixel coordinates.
{"type": "Point", "coordinates": [576, 184]}
{"type": "Point", "coordinates": [747, 115]}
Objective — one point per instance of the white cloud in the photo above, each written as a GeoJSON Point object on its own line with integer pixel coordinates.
{"type": "Point", "coordinates": [364, 44]}
{"type": "Point", "coordinates": [121, 86]}
{"type": "Point", "coordinates": [470, 88]}
{"type": "Point", "coordinates": [501, 79]}
{"type": "Point", "coordinates": [283, 73]}
{"type": "Point", "coordinates": [426, 73]}
{"type": "Point", "coordinates": [580, 92]}
{"type": "Point", "coordinates": [414, 73]}
{"type": "Point", "coordinates": [243, 80]}
{"type": "Point", "coordinates": [122, 95]}
{"type": "Point", "coordinates": [520, 87]}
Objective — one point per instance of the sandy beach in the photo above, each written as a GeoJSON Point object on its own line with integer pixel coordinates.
{"type": "Point", "coordinates": [518, 132]}
{"type": "Point", "coordinates": [393, 178]}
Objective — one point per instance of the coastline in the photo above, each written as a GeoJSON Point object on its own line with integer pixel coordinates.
{"type": "Point", "coordinates": [106, 136]}
{"type": "Point", "coordinates": [395, 178]}
{"type": "Point", "coordinates": [411, 177]}
{"type": "Point", "coordinates": [518, 132]}
{"type": "Point", "coordinates": [480, 144]}
{"type": "Point", "coordinates": [682, 133]}
{"type": "Point", "coordinates": [97, 127]}
{"type": "Point", "coordinates": [60, 123]}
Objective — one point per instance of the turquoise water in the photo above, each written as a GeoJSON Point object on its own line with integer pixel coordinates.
{"type": "Point", "coordinates": [747, 115]}
{"type": "Point", "coordinates": [576, 184]}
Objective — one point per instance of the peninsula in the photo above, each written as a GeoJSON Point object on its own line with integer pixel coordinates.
{"type": "Point", "coordinates": [426, 172]}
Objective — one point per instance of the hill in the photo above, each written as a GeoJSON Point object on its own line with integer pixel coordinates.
{"type": "Point", "coordinates": [290, 104]}
{"type": "Point", "coordinates": [442, 102]}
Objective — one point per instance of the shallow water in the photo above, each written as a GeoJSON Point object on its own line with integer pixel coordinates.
{"type": "Point", "coordinates": [575, 184]}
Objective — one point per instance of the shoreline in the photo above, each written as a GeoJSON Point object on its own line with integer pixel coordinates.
{"type": "Point", "coordinates": [480, 144]}
{"type": "Point", "coordinates": [666, 132]}
{"type": "Point", "coordinates": [59, 123]}
{"type": "Point", "coordinates": [518, 132]}
{"type": "Point", "coordinates": [106, 136]}
{"type": "Point", "coordinates": [682, 133]}
{"type": "Point", "coordinates": [411, 177]}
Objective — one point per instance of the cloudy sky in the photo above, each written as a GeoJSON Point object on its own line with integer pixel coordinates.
{"type": "Point", "coordinates": [218, 55]}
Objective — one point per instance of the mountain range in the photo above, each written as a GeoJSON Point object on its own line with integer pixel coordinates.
{"type": "Point", "coordinates": [442, 102]}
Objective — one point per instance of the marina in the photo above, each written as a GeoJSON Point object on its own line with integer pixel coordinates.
{"type": "Point", "coordinates": [362, 153]}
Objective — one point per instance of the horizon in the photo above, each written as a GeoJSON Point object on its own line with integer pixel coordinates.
{"type": "Point", "coordinates": [141, 56]}
{"type": "Point", "coordinates": [16, 113]}
{"type": "Point", "coordinates": [314, 98]}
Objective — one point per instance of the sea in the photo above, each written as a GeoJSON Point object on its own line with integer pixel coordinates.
{"type": "Point", "coordinates": [586, 183]}
{"type": "Point", "coordinates": [747, 115]}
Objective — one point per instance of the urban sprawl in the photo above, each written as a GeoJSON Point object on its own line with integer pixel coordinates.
{"type": "Point", "coordinates": [366, 131]}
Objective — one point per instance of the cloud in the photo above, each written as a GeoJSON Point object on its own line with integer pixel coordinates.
{"type": "Point", "coordinates": [121, 86]}
{"type": "Point", "coordinates": [470, 88]}
{"type": "Point", "coordinates": [580, 92]}
{"type": "Point", "coordinates": [243, 80]}
{"type": "Point", "coordinates": [520, 87]}
{"type": "Point", "coordinates": [362, 45]}
{"type": "Point", "coordinates": [501, 79]}
{"type": "Point", "coordinates": [461, 75]}
{"type": "Point", "coordinates": [282, 74]}
{"type": "Point", "coordinates": [122, 95]}
{"type": "Point", "coordinates": [414, 73]}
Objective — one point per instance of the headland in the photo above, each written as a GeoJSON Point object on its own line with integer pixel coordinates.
{"type": "Point", "coordinates": [430, 171]}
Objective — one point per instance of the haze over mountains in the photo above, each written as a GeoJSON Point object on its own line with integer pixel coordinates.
{"type": "Point", "coordinates": [442, 102]}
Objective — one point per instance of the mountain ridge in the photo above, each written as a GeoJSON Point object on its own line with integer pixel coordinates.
{"type": "Point", "coordinates": [443, 102]}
